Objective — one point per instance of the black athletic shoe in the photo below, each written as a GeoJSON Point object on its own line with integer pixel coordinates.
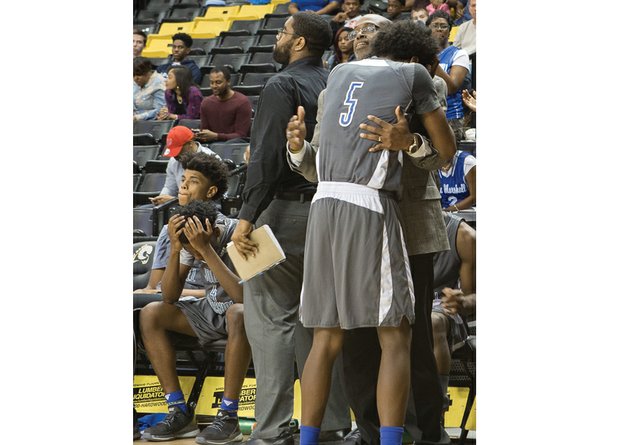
{"type": "Point", "coordinates": [224, 429]}
{"type": "Point", "coordinates": [176, 425]}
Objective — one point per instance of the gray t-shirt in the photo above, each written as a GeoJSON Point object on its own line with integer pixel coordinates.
{"type": "Point", "coordinates": [355, 90]}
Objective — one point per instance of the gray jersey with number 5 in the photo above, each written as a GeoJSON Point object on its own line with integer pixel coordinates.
{"type": "Point", "coordinates": [355, 90]}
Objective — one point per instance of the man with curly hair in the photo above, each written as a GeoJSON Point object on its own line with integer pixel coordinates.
{"type": "Point", "coordinates": [194, 243]}
{"type": "Point", "coordinates": [357, 189]}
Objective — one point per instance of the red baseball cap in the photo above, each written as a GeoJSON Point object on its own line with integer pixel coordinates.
{"type": "Point", "coordinates": [177, 137]}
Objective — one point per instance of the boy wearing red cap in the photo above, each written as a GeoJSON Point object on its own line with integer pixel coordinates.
{"type": "Point", "coordinates": [180, 140]}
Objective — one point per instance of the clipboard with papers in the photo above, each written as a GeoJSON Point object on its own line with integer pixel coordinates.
{"type": "Point", "coordinates": [269, 254]}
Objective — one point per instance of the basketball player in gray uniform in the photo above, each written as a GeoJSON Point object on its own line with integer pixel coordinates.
{"type": "Point", "coordinates": [356, 270]}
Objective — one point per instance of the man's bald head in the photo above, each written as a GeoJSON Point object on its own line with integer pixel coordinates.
{"type": "Point", "coordinates": [365, 31]}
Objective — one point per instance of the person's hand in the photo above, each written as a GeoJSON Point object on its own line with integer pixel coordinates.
{"type": "Point", "coordinates": [388, 136]}
{"type": "Point", "coordinates": [455, 301]}
{"type": "Point", "coordinates": [157, 200]}
{"type": "Point", "coordinates": [198, 236]}
{"type": "Point", "coordinates": [163, 113]}
{"type": "Point", "coordinates": [175, 227]}
{"type": "Point", "coordinates": [241, 239]}
{"type": "Point", "coordinates": [470, 99]}
{"type": "Point", "coordinates": [340, 17]}
{"type": "Point", "coordinates": [206, 136]}
{"type": "Point", "coordinates": [296, 130]}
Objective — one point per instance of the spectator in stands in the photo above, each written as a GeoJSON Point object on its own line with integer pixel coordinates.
{"type": "Point", "coordinates": [437, 5]}
{"type": "Point", "coordinates": [343, 48]}
{"type": "Point", "coordinates": [183, 98]}
{"type": "Point", "coordinates": [349, 16]}
{"type": "Point", "coordinates": [454, 64]}
{"type": "Point", "coordinates": [216, 174]}
{"type": "Point", "coordinates": [454, 268]}
{"type": "Point", "coordinates": [226, 115]}
{"type": "Point", "coordinates": [148, 90]}
{"type": "Point", "coordinates": [466, 34]}
{"type": "Point", "coordinates": [198, 236]}
{"type": "Point", "coordinates": [180, 140]}
{"type": "Point", "coordinates": [420, 14]}
{"type": "Point", "coordinates": [275, 195]}
{"type": "Point", "coordinates": [181, 46]}
{"type": "Point", "coordinates": [396, 10]}
{"type": "Point", "coordinates": [458, 182]}
{"type": "Point", "coordinates": [139, 41]}
{"type": "Point", "coordinates": [457, 10]}
{"type": "Point", "coordinates": [321, 7]}
{"type": "Point", "coordinates": [423, 224]}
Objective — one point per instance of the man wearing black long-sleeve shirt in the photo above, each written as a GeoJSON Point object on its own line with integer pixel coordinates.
{"type": "Point", "coordinates": [276, 196]}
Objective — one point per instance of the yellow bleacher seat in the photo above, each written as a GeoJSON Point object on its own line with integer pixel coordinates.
{"type": "Point", "coordinates": [277, 2]}
{"type": "Point", "coordinates": [155, 53]}
{"type": "Point", "coordinates": [156, 43]}
{"type": "Point", "coordinates": [206, 29]}
{"type": "Point", "coordinates": [253, 12]}
{"type": "Point", "coordinates": [172, 28]}
{"type": "Point", "coordinates": [452, 34]}
{"type": "Point", "coordinates": [223, 12]}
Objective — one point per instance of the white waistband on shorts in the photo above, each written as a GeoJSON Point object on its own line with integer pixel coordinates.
{"type": "Point", "coordinates": [329, 188]}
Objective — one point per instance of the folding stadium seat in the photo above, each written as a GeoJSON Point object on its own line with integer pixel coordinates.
{"type": "Point", "coordinates": [221, 12]}
{"type": "Point", "coordinates": [267, 37]}
{"type": "Point", "coordinates": [159, 5]}
{"type": "Point", "coordinates": [256, 78]}
{"type": "Point", "coordinates": [185, 12]}
{"type": "Point", "coordinates": [228, 150]}
{"type": "Point", "coordinates": [261, 62]}
{"type": "Point", "coordinates": [231, 44]}
{"type": "Point", "coordinates": [148, 26]}
{"type": "Point", "coordinates": [282, 8]}
{"type": "Point", "coordinates": [275, 21]}
{"type": "Point", "coordinates": [156, 166]}
{"type": "Point", "coordinates": [171, 28]}
{"type": "Point", "coordinates": [145, 14]}
{"type": "Point", "coordinates": [248, 90]}
{"type": "Point", "coordinates": [232, 61]}
{"type": "Point", "coordinates": [157, 46]}
{"type": "Point", "coordinates": [156, 128]}
{"type": "Point", "coordinates": [254, 101]}
{"type": "Point", "coordinates": [247, 12]}
{"type": "Point", "coordinates": [199, 60]}
{"type": "Point", "coordinates": [206, 91]}
{"type": "Point", "coordinates": [190, 123]}
{"type": "Point", "coordinates": [143, 153]}
{"type": "Point", "coordinates": [136, 175]}
{"type": "Point", "coordinates": [205, 44]}
{"type": "Point", "coordinates": [245, 27]}
{"type": "Point", "coordinates": [209, 28]}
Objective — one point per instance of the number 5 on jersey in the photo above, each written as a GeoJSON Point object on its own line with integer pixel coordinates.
{"type": "Point", "coordinates": [347, 117]}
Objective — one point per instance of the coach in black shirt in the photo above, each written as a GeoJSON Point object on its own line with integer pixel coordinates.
{"type": "Point", "coordinates": [276, 196]}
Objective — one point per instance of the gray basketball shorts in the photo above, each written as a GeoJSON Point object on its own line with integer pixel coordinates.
{"type": "Point", "coordinates": [207, 324]}
{"type": "Point", "coordinates": [356, 269]}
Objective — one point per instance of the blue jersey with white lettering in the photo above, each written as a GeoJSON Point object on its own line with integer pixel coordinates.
{"type": "Point", "coordinates": [453, 188]}
{"type": "Point", "coordinates": [355, 90]}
